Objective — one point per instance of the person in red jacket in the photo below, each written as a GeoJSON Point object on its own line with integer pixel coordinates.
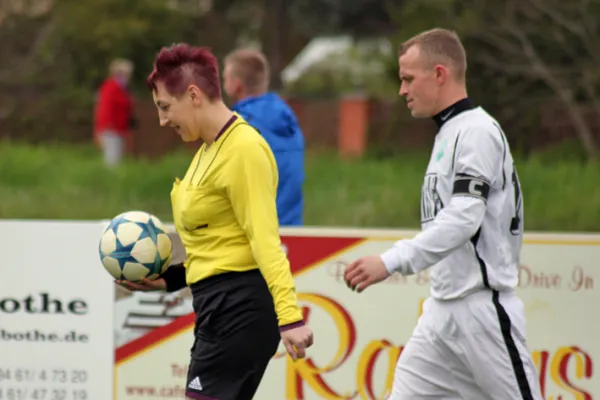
{"type": "Point", "coordinates": [113, 114]}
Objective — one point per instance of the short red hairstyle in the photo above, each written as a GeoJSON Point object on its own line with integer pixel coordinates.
{"type": "Point", "coordinates": [180, 65]}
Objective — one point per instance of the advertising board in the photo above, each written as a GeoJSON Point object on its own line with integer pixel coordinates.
{"type": "Point", "coordinates": [358, 337]}
{"type": "Point", "coordinates": [63, 336]}
{"type": "Point", "coordinates": [56, 313]}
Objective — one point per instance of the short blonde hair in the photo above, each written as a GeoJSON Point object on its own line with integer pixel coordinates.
{"type": "Point", "coordinates": [251, 67]}
{"type": "Point", "coordinates": [440, 46]}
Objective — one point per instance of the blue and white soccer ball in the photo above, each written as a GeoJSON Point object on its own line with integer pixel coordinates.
{"type": "Point", "coordinates": [135, 245]}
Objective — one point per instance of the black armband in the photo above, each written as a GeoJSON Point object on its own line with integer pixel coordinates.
{"type": "Point", "coordinates": [174, 277]}
{"type": "Point", "coordinates": [466, 185]}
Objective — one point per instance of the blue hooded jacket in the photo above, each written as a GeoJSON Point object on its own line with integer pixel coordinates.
{"type": "Point", "coordinates": [276, 122]}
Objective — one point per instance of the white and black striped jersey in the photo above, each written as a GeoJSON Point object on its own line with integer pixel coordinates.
{"type": "Point", "coordinates": [471, 209]}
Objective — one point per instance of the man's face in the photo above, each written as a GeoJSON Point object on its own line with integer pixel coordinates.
{"type": "Point", "coordinates": [420, 84]}
{"type": "Point", "coordinates": [125, 75]}
{"type": "Point", "coordinates": [178, 112]}
{"type": "Point", "coordinates": [122, 75]}
{"type": "Point", "coordinates": [232, 85]}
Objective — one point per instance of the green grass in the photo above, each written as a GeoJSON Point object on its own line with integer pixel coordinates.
{"type": "Point", "coordinates": [59, 182]}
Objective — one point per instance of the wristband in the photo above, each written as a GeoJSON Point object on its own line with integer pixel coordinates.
{"type": "Point", "coordinates": [174, 277]}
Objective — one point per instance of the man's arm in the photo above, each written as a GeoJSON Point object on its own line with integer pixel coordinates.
{"type": "Point", "coordinates": [104, 112]}
{"type": "Point", "coordinates": [477, 163]}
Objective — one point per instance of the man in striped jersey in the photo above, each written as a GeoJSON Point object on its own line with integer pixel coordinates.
{"type": "Point", "coordinates": [470, 341]}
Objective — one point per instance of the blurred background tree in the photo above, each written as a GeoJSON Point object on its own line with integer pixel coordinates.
{"type": "Point", "coordinates": [532, 63]}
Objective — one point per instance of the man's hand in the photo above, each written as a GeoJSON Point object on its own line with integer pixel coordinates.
{"type": "Point", "coordinates": [297, 340]}
{"type": "Point", "coordinates": [145, 285]}
{"type": "Point", "coordinates": [364, 272]}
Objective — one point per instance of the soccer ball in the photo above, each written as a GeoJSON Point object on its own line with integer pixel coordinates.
{"type": "Point", "coordinates": [135, 245]}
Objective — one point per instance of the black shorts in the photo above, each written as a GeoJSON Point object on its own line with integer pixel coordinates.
{"type": "Point", "coordinates": [236, 335]}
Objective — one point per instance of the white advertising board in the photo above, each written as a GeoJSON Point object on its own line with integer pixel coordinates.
{"type": "Point", "coordinates": [56, 313]}
{"type": "Point", "coordinates": [358, 337]}
{"type": "Point", "coordinates": [61, 339]}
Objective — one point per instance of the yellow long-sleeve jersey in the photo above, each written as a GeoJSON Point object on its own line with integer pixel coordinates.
{"type": "Point", "coordinates": [224, 210]}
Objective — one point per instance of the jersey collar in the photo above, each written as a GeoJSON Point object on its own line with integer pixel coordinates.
{"type": "Point", "coordinates": [226, 126]}
{"type": "Point", "coordinates": [450, 112]}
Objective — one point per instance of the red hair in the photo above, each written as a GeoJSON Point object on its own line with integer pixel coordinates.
{"type": "Point", "coordinates": [180, 65]}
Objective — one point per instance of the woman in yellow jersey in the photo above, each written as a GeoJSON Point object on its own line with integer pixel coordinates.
{"type": "Point", "coordinates": [224, 210]}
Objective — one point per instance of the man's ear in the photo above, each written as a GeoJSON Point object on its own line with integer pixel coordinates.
{"type": "Point", "coordinates": [441, 73]}
{"type": "Point", "coordinates": [238, 85]}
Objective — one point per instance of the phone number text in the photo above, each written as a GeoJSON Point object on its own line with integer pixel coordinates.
{"type": "Point", "coordinates": [51, 375]}
{"type": "Point", "coordinates": [15, 393]}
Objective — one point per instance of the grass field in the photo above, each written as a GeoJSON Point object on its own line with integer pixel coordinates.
{"type": "Point", "coordinates": [58, 182]}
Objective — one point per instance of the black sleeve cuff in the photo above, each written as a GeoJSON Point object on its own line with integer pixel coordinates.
{"type": "Point", "coordinates": [293, 325]}
{"type": "Point", "coordinates": [174, 277]}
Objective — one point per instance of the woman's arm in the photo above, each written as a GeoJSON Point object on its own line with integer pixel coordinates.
{"type": "Point", "coordinates": [174, 277]}
{"type": "Point", "coordinates": [252, 189]}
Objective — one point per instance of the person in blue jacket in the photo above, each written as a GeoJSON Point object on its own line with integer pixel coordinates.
{"type": "Point", "coordinates": [246, 81]}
